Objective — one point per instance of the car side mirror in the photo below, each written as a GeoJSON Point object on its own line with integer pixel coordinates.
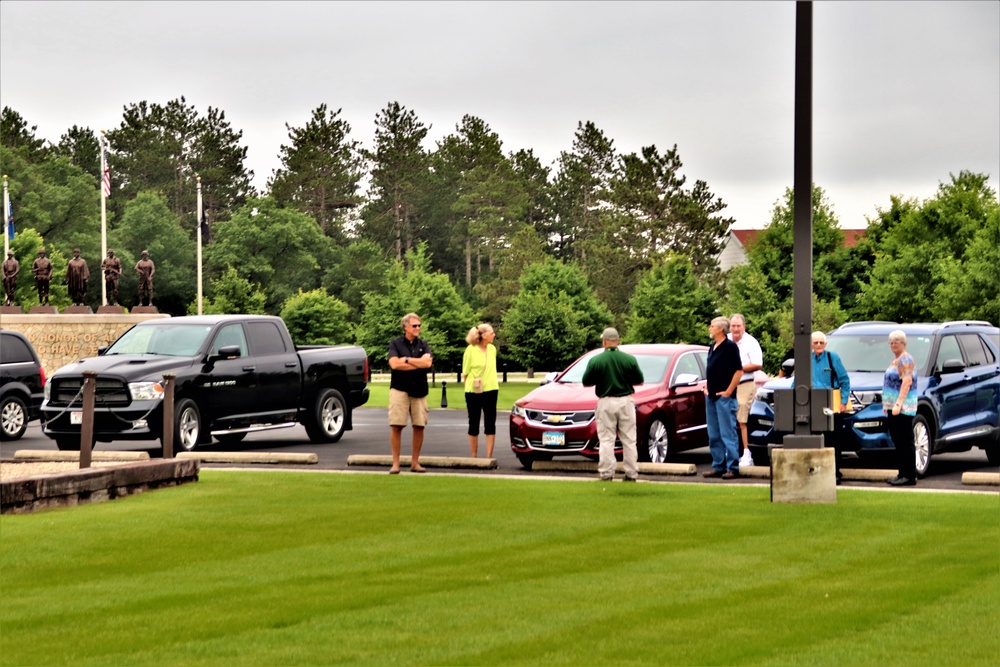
{"type": "Point", "coordinates": [685, 380]}
{"type": "Point", "coordinates": [101, 350]}
{"type": "Point", "coordinates": [549, 377]}
{"type": "Point", "coordinates": [226, 352]}
{"type": "Point", "coordinates": [952, 366]}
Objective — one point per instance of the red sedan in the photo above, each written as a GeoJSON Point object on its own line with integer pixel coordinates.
{"type": "Point", "coordinates": [557, 419]}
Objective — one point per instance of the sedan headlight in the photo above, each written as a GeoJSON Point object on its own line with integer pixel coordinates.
{"type": "Point", "coordinates": [518, 411]}
{"type": "Point", "coordinates": [47, 390]}
{"type": "Point", "coordinates": [145, 391]}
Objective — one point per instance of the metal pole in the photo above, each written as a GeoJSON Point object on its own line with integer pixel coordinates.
{"type": "Point", "coordinates": [87, 427]}
{"type": "Point", "coordinates": [444, 394]}
{"type": "Point", "coordinates": [167, 439]}
{"type": "Point", "coordinates": [104, 216]}
{"type": "Point", "coordinates": [6, 219]}
{"type": "Point", "coordinates": [198, 225]}
{"type": "Point", "coordinates": [802, 216]}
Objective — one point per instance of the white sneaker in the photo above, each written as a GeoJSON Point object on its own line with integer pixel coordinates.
{"type": "Point", "coordinates": [746, 460]}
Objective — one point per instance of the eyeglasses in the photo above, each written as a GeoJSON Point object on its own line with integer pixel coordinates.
{"type": "Point", "coordinates": [414, 326]}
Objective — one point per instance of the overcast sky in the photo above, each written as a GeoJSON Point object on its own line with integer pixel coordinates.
{"type": "Point", "coordinates": [905, 93]}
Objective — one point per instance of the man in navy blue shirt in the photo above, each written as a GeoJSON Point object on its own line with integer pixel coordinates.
{"type": "Point", "coordinates": [725, 369]}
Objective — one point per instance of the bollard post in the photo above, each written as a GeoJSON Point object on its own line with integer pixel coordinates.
{"type": "Point", "coordinates": [458, 375]}
{"type": "Point", "coordinates": [505, 372]}
{"type": "Point", "coordinates": [444, 394]}
{"type": "Point", "coordinates": [167, 438]}
{"type": "Point", "coordinates": [87, 427]}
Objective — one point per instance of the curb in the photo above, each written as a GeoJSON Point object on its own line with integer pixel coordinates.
{"type": "Point", "coordinates": [981, 478]}
{"type": "Point", "coordinates": [591, 466]}
{"type": "Point", "coordinates": [44, 455]}
{"type": "Point", "coordinates": [426, 461]}
{"type": "Point", "coordinates": [249, 457]}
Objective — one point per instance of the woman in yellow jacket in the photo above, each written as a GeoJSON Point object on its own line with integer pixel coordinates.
{"type": "Point", "coordinates": [479, 371]}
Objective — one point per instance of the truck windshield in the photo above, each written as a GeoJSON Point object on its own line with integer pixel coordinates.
{"type": "Point", "coordinates": [173, 340]}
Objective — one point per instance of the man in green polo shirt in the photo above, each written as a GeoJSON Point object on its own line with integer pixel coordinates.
{"type": "Point", "coordinates": [613, 374]}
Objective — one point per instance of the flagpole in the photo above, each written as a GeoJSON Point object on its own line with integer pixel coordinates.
{"type": "Point", "coordinates": [198, 225]}
{"type": "Point", "coordinates": [6, 218]}
{"type": "Point", "coordinates": [104, 214]}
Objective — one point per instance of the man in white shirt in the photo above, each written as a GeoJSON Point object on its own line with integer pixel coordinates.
{"type": "Point", "coordinates": [753, 360]}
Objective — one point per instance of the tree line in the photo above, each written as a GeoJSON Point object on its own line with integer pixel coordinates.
{"type": "Point", "coordinates": [346, 238]}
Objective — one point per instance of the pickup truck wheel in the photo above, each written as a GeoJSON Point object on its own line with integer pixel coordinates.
{"type": "Point", "coordinates": [187, 425]}
{"type": "Point", "coordinates": [328, 418]}
{"type": "Point", "coordinates": [922, 444]}
{"type": "Point", "coordinates": [13, 418]}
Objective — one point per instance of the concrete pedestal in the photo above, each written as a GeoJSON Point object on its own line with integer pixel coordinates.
{"type": "Point", "coordinates": [78, 310]}
{"type": "Point", "coordinates": [803, 475]}
{"type": "Point", "coordinates": [43, 310]}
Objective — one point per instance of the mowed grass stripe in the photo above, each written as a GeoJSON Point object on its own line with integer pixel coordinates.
{"type": "Point", "coordinates": [287, 568]}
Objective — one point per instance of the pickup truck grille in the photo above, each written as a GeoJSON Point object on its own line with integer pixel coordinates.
{"type": "Point", "coordinates": [108, 393]}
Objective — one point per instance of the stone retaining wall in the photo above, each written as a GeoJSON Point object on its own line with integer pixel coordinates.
{"type": "Point", "coordinates": [93, 485]}
{"type": "Point", "coordinates": [63, 339]}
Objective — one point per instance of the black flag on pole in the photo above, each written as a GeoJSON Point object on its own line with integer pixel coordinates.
{"type": "Point", "coordinates": [206, 233]}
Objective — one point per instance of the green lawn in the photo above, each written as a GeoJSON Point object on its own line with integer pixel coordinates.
{"type": "Point", "coordinates": [509, 392]}
{"type": "Point", "coordinates": [296, 568]}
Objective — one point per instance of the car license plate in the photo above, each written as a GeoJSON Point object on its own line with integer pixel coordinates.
{"type": "Point", "coordinates": [553, 439]}
{"type": "Point", "coordinates": [76, 418]}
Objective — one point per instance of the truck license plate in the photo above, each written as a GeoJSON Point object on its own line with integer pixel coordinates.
{"type": "Point", "coordinates": [76, 418]}
{"type": "Point", "coordinates": [553, 439]}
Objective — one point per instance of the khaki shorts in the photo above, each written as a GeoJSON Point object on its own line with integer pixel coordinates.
{"type": "Point", "coordinates": [745, 393]}
{"type": "Point", "coordinates": [401, 406]}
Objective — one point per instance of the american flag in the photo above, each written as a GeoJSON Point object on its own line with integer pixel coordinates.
{"type": "Point", "coordinates": [107, 174]}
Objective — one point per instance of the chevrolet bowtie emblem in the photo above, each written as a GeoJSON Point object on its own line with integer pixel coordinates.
{"type": "Point", "coordinates": [555, 419]}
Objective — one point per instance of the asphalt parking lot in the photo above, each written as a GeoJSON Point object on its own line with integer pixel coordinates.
{"type": "Point", "coordinates": [446, 437]}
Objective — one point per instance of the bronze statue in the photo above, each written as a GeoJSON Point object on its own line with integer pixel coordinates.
{"type": "Point", "coordinates": [112, 268]}
{"type": "Point", "coordinates": [42, 270]}
{"type": "Point", "coordinates": [11, 267]}
{"type": "Point", "coordinates": [77, 275]}
{"type": "Point", "coordinates": [145, 268]}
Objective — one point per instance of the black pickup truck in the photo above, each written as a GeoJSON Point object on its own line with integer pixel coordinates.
{"type": "Point", "coordinates": [235, 374]}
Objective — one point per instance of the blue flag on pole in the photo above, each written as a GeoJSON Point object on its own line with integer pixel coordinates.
{"type": "Point", "coordinates": [9, 219]}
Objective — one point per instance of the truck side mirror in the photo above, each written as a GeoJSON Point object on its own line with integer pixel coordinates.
{"type": "Point", "coordinates": [226, 352]}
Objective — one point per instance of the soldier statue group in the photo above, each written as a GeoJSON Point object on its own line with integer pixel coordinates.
{"type": "Point", "coordinates": [77, 276]}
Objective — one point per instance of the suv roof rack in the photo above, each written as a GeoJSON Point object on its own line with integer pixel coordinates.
{"type": "Point", "coordinates": [966, 323]}
{"type": "Point", "coordinates": [847, 325]}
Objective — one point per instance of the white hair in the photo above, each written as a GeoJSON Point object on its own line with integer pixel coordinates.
{"type": "Point", "coordinates": [899, 335]}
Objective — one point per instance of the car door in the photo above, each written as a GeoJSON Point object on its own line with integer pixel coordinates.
{"type": "Point", "coordinates": [689, 402]}
{"type": "Point", "coordinates": [984, 375]}
{"type": "Point", "coordinates": [954, 393]}
{"type": "Point", "coordinates": [228, 385]}
{"type": "Point", "coordinates": [278, 368]}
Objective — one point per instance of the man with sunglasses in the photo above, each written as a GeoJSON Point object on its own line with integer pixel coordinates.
{"type": "Point", "coordinates": [409, 359]}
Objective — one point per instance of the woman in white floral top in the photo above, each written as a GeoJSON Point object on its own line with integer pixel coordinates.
{"type": "Point", "coordinates": [899, 403]}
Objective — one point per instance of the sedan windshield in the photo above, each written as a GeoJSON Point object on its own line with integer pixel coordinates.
{"type": "Point", "coordinates": [872, 354]}
{"type": "Point", "coordinates": [174, 340]}
{"type": "Point", "coordinates": [653, 367]}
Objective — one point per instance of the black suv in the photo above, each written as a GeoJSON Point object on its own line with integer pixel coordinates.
{"type": "Point", "coordinates": [958, 389]}
{"type": "Point", "coordinates": [22, 383]}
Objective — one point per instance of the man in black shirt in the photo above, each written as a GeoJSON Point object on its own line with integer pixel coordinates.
{"type": "Point", "coordinates": [724, 371]}
{"type": "Point", "coordinates": [409, 359]}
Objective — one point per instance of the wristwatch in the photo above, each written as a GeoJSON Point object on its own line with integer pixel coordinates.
{"type": "Point", "coordinates": [406, 360]}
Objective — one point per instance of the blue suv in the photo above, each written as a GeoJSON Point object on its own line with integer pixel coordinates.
{"type": "Point", "coordinates": [958, 389]}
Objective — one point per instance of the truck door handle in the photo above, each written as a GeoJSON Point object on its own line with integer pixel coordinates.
{"type": "Point", "coordinates": [249, 368]}
{"type": "Point", "coordinates": [291, 364]}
